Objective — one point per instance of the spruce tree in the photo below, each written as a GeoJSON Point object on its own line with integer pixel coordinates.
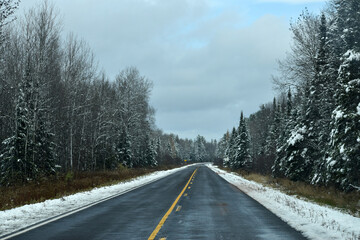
{"type": "Point", "coordinates": [150, 153]}
{"type": "Point", "coordinates": [287, 127]}
{"type": "Point", "coordinates": [124, 149]}
{"type": "Point", "coordinates": [242, 154]}
{"type": "Point", "coordinates": [343, 164]}
{"type": "Point", "coordinates": [271, 141]}
{"type": "Point", "coordinates": [231, 150]}
{"type": "Point", "coordinates": [15, 156]}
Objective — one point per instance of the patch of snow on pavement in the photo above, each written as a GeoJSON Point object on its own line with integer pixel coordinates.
{"type": "Point", "coordinates": [21, 217]}
{"type": "Point", "coordinates": [314, 221]}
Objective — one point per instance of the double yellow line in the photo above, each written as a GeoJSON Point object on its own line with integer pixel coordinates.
{"type": "Point", "coordinates": [162, 221]}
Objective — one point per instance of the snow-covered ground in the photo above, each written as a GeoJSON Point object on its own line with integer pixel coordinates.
{"type": "Point", "coordinates": [40, 213]}
{"type": "Point", "coordinates": [314, 221]}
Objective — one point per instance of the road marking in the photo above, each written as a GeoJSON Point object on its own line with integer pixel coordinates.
{"type": "Point", "coordinates": [162, 238]}
{"type": "Point", "coordinates": [162, 221]}
{"type": "Point", "coordinates": [189, 187]}
{"type": "Point", "coordinates": [178, 208]}
{"type": "Point", "coordinates": [185, 194]}
{"type": "Point", "coordinates": [70, 212]}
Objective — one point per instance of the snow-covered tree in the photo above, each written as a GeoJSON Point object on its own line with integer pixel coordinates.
{"type": "Point", "coordinates": [343, 164]}
{"type": "Point", "coordinates": [200, 153]}
{"type": "Point", "coordinates": [124, 149]}
{"type": "Point", "coordinates": [150, 153]}
{"type": "Point", "coordinates": [231, 149]}
{"type": "Point", "coordinates": [242, 158]}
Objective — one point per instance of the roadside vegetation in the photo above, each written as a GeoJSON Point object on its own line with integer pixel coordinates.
{"type": "Point", "coordinates": [330, 196]}
{"type": "Point", "coordinates": [310, 133]}
{"type": "Point", "coordinates": [64, 184]}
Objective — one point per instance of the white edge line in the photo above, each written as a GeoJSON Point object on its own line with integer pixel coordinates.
{"type": "Point", "coordinates": [52, 219]}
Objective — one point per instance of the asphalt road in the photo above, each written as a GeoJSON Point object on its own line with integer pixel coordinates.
{"type": "Point", "coordinates": [208, 208]}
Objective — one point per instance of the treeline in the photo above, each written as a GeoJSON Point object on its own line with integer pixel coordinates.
{"type": "Point", "coordinates": [59, 113]}
{"type": "Point", "coordinates": [311, 132]}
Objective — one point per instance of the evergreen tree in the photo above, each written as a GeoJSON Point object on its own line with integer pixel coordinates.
{"type": "Point", "coordinates": [231, 149]}
{"type": "Point", "coordinates": [15, 163]}
{"type": "Point", "coordinates": [199, 149]}
{"type": "Point", "coordinates": [343, 164]}
{"type": "Point", "coordinates": [124, 149]}
{"type": "Point", "coordinates": [44, 148]}
{"type": "Point", "coordinates": [287, 126]}
{"type": "Point", "coordinates": [242, 154]}
{"type": "Point", "coordinates": [324, 99]}
{"type": "Point", "coordinates": [272, 139]}
{"type": "Point", "coordinates": [150, 153]}
{"type": "Point", "coordinates": [158, 150]}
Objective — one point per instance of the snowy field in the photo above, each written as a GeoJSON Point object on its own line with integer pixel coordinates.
{"type": "Point", "coordinates": [50, 210]}
{"type": "Point", "coordinates": [314, 221]}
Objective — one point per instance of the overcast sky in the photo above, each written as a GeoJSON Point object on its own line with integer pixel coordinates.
{"type": "Point", "coordinates": [208, 59]}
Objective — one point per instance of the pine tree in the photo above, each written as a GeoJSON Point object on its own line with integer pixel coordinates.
{"type": "Point", "coordinates": [343, 164]}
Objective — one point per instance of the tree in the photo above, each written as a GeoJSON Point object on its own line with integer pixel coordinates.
{"type": "Point", "coordinates": [343, 164]}
{"type": "Point", "coordinates": [15, 157]}
{"type": "Point", "coordinates": [124, 149]}
{"type": "Point", "coordinates": [271, 141]}
{"type": "Point", "coordinates": [7, 8]}
{"type": "Point", "coordinates": [231, 149]}
{"type": "Point", "coordinates": [200, 153]}
{"type": "Point", "coordinates": [300, 63]}
{"type": "Point", "coordinates": [150, 153]}
{"type": "Point", "coordinates": [242, 157]}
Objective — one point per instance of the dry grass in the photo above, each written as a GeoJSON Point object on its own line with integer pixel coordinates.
{"type": "Point", "coordinates": [66, 184]}
{"type": "Point", "coordinates": [319, 194]}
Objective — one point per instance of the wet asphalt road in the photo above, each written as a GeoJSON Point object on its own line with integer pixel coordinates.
{"type": "Point", "coordinates": [210, 209]}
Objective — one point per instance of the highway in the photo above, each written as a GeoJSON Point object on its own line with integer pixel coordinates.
{"type": "Point", "coordinates": [194, 203]}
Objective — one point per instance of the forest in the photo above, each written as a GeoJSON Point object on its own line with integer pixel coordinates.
{"type": "Point", "coordinates": [311, 131]}
{"type": "Point", "coordinates": [60, 113]}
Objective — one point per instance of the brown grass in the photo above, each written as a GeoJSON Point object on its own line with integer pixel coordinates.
{"type": "Point", "coordinates": [66, 184]}
{"type": "Point", "coordinates": [319, 194]}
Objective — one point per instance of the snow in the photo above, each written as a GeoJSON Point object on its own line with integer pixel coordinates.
{"type": "Point", "coordinates": [352, 55]}
{"type": "Point", "coordinates": [313, 220]}
{"type": "Point", "coordinates": [21, 217]}
{"type": "Point", "coordinates": [338, 114]}
{"type": "Point", "coordinates": [342, 148]}
{"type": "Point", "coordinates": [296, 136]}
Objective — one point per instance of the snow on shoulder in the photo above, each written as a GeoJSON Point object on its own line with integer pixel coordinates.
{"type": "Point", "coordinates": [21, 217]}
{"type": "Point", "coordinates": [312, 220]}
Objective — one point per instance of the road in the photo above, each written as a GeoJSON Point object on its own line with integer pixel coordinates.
{"type": "Point", "coordinates": [194, 203]}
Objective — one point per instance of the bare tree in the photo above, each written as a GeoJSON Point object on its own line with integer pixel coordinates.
{"type": "Point", "coordinates": [299, 66]}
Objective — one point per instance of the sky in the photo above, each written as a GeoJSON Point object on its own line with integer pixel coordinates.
{"type": "Point", "coordinates": [208, 59]}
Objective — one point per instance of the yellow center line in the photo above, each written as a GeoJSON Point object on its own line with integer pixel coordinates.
{"type": "Point", "coordinates": [162, 221]}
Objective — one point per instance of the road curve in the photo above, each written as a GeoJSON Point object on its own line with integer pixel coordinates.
{"type": "Point", "coordinates": [208, 208]}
